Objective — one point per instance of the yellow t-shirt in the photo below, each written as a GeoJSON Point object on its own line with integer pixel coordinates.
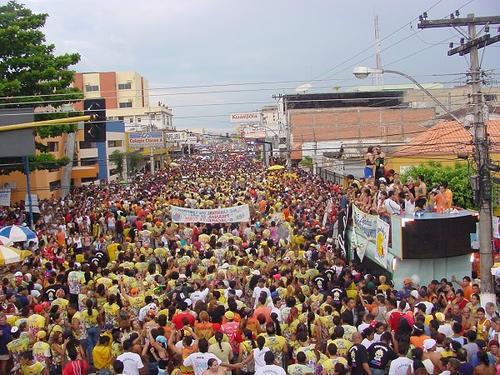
{"type": "Point", "coordinates": [61, 302]}
{"type": "Point", "coordinates": [89, 320]}
{"type": "Point", "coordinates": [298, 369]}
{"type": "Point", "coordinates": [41, 351]}
{"type": "Point", "coordinates": [102, 357]}
{"type": "Point", "coordinates": [111, 312]}
{"type": "Point", "coordinates": [19, 345]}
{"type": "Point", "coordinates": [36, 368]}
{"type": "Point", "coordinates": [329, 364]}
{"type": "Point", "coordinates": [342, 345]}
{"type": "Point", "coordinates": [113, 251]}
{"type": "Point", "coordinates": [276, 344]}
{"type": "Point", "coordinates": [36, 321]}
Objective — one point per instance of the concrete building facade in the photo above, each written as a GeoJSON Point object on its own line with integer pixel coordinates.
{"type": "Point", "coordinates": [127, 99]}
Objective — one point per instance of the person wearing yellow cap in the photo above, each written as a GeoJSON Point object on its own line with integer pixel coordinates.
{"type": "Point", "coordinates": [41, 349]}
{"type": "Point", "coordinates": [231, 330]}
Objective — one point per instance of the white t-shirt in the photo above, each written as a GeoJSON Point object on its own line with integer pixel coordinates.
{"type": "Point", "coordinates": [75, 281]}
{"type": "Point", "coordinates": [199, 361]}
{"type": "Point", "coordinates": [392, 207]}
{"type": "Point", "coordinates": [258, 357]}
{"type": "Point", "coordinates": [362, 327]}
{"type": "Point", "coordinates": [256, 293]}
{"type": "Point", "coordinates": [400, 366]}
{"type": "Point", "coordinates": [132, 362]}
{"type": "Point", "coordinates": [270, 370]}
{"type": "Point", "coordinates": [446, 329]}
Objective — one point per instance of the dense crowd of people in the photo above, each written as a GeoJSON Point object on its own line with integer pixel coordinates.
{"type": "Point", "coordinates": [113, 286]}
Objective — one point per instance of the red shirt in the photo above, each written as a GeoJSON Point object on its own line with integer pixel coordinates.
{"type": "Point", "coordinates": [178, 318]}
{"type": "Point", "coordinates": [77, 367]}
{"type": "Point", "coordinates": [394, 319]}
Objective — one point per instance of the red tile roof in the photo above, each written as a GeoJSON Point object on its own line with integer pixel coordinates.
{"type": "Point", "coordinates": [447, 137]}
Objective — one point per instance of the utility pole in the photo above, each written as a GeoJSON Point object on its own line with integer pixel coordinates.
{"type": "Point", "coordinates": [284, 119]}
{"type": "Point", "coordinates": [481, 143]}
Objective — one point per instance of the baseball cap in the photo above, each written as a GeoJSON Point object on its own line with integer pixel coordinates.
{"type": "Point", "coordinates": [18, 274]}
{"type": "Point", "coordinates": [414, 294]}
{"type": "Point", "coordinates": [429, 344]}
{"type": "Point", "coordinates": [440, 317]}
{"type": "Point", "coordinates": [161, 339]}
{"type": "Point", "coordinates": [41, 335]}
{"type": "Point", "coordinates": [229, 315]}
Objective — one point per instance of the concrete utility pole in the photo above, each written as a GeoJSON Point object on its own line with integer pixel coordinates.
{"type": "Point", "coordinates": [481, 143]}
{"type": "Point", "coordinates": [284, 119]}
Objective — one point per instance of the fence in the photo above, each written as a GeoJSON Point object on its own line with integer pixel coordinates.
{"type": "Point", "coordinates": [330, 175]}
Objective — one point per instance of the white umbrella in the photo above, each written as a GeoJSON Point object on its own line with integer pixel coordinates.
{"type": "Point", "coordinates": [9, 255]}
{"type": "Point", "coordinates": [15, 233]}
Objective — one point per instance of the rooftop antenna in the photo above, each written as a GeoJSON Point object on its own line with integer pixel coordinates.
{"type": "Point", "coordinates": [378, 53]}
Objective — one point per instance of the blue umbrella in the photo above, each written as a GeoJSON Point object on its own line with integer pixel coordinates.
{"type": "Point", "coordinates": [15, 233]}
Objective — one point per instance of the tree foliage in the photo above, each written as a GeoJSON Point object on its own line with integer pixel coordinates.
{"type": "Point", "coordinates": [134, 159]}
{"type": "Point", "coordinates": [306, 162]}
{"type": "Point", "coordinates": [456, 176]}
{"type": "Point", "coordinates": [31, 75]}
{"type": "Point", "coordinates": [116, 158]}
{"type": "Point", "coordinates": [43, 160]}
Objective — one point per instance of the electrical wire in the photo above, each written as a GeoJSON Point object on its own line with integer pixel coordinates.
{"type": "Point", "coordinates": [373, 44]}
{"type": "Point", "coordinates": [29, 111]}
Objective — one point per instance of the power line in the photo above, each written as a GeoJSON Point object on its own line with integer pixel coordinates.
{"type": "Point", "coordinates": [354, 99]}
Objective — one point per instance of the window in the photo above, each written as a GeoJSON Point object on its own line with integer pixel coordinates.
{"type": "Point", "coordinates": [88, 179]}
{"type": "Point", "coordinates": [85, 145]}
{"type": "Point", "coordinates": [139, 119]}
{"type": "Point", "coordinates": [115, 143]}
{"type": "Point", "coordinates": [88, 161]}
{"type": "Point", "coordinates": [131, 120]}
{"type": "Point", "coordinates": [53, 146]}
{"type": "Point", "coordinates": [125, 86]}
{"type": "Point", "coordinates": [90, 88]}
{"type": "Point", "coordinates": [54, 185]}
{"type": "Point", "coordinates": [113, 172]}
{"type": "Point", "coordinates": [126, 105]}
{"type": "Point", "coordinates": [120, 118]}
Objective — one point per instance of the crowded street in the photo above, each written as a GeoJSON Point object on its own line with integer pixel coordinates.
{"type": "Point", "coordinates": [113, 285]}
{"type": "Point", "coordinates": [249, 187]}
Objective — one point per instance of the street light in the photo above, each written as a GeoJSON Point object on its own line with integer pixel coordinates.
{"type": "Point", "coordinates": [362, 72]}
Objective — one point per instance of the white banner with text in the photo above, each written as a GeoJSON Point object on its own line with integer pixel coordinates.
{"type": "Point", "coordinates": [235, 214]}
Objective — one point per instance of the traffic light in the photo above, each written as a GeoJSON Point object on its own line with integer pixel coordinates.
{"type": "Point", "coordinates": [95, 130]}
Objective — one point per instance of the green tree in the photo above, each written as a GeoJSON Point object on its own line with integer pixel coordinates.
{"type": "Point", "coordinates": [31, 75]}
{"type": "Point", "coordinates": [116, 158]}
{"type": "Point", "coordinates": [134, 159]}
{"type": "Point", "coordinates": [306, 162]}
{"type": "Point", "coordinates": [456, 176]}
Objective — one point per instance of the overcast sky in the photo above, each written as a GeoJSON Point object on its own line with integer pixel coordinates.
{"type": "Point", "coordinates": [202, 42]}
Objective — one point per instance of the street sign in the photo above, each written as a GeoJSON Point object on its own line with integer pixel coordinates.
{"type": "Point", "coordinates": [246, 117]}
{"type": "Point", "coordinates": [146, 140]}
{"type": "Point", "coordinates": [34, 203]}
{"type": "Point", "coordinates": [174, 137]}
{"type": "Point", "coordinates": [5, 197]}
{"type": "Point", "coordinates": [95, 130]}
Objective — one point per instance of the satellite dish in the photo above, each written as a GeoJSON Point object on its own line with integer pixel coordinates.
{"type": "Point", "coordinates": [302, 89]}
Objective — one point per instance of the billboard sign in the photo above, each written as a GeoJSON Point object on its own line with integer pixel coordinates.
{"type": "Point", "coordinates": [246, 117]}
{"type": "Point", "coordinates": [16, 143]}
{"type": "Point", "coordinates": [145, 140]}
{"type": "Point", "coordinates": [174, 137]}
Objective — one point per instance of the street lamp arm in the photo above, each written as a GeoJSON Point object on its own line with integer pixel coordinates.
{"type": "Point", "coordinates": [410, 78]}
